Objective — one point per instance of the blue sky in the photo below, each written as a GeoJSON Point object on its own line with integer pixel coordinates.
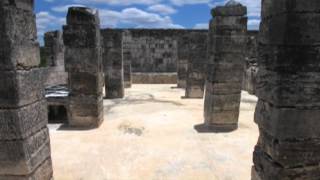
{"type": "Point", "coordinates": [187, 14]}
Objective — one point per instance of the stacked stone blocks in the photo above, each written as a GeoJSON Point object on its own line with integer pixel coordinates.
{"type": "Point", "coordinates": [127, 58]}
{"type": "Point", "coordinates": [24, 136]}
{"type": "Point", "coordinates": [54, 54]}
{"type": "Point", "coordinates": [288, 89]}
{"type": "Point", "coordinates": [197, 61]}
{"type": "Point", "coordinates": [83, 62]}
{"type": "Point", "coordinates": [113, 63]}
{"type": "Point", "coordinates": [227, 43]}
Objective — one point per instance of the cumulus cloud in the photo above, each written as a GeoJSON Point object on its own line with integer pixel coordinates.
{"type": "Point", "coordinates": [162, 9]}
{"type": "Point", "coordinates": [46, 21]}
{"type": "Point", "coordinates": [184, 2]}
{"type": "Point", "coordinates": [63, 9]}
{"type": "Point", "coordinates": [118, 2]}
{"type": "Point", "coordinates": [137, 18]}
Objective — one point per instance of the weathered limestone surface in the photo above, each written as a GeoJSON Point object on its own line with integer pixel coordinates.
{"type": "Point", "coordinates": [127, 58]}
{"type": "Point", "coordinates": [113, 63]}
{"type": "Point", "coordinates": [54, 54]}
{"type": "Point", "coordinates": [197, 62]}
{"type": "Point", "coordinates": [183, 60]}
{"type": "Point", "coordinates": [154, 78]}
{"type": "Point", "coordinates": [227, 41]}
{"type": "Point", "coordinates": [288, 89]}
{"type": "Point", "coordinates": [24, 137]}
{"type": "Point", "coordinates": [83, 61]}
{"type": "Point", "coordinates": [251, 63]}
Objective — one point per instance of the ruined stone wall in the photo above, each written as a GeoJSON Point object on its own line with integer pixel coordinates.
{"type": "Point", "coordinates": [112, 57]}
{"type": "Point", "coordinates": [54, 55]}
{"type": "Point", "coordinates": [24, 136]}
{"type": "Point", "coordinates": [127, 58]}
{"type": "Point", "coordinates": [83, 61]}
{"type": "Point", "coordinates": [251, 63]}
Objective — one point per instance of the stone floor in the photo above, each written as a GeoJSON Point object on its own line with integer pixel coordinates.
{"type": "Point", "coordinates": [150, 135]}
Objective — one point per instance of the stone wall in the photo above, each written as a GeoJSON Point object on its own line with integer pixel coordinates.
{"type": "Point", "coordinates": [54, 55]}
{"type": "Point", "coordinates": [24, 136]}
{"type": "Point", "coordinates": [127, 58]}
{"type": "Point", "coordinates": [83, 62]}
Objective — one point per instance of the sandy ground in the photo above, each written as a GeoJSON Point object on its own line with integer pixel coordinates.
{"type": "Point", "coordinates": [150, 135]}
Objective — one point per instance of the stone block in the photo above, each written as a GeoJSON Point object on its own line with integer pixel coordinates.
{"type": "Point", "coordinates": [218, 103]}
{"type": "Point", "coordinates": [86, 83]}
{"type": "Point", "coordinates": [288, 122]}
{"type": "Point", "coordinates": [287, 89]}
{"type": "Point", "coordinates": [289, 59]}
{"type": "Point", "coordinates": [229, 23]}
{"type": "Point", "coordinates": [273, 7]}
{"type": "Point", "coordinates": [81, 36]}
{"type": "Point", "coordinates": [43, 172]}
{"type": "Point", "coordinates": [267, 169]}
{"type": "Point", "coordinates": [237, 10]}
{"type": "Point", "coordinates": [22, 157]}
{"type": "Point", "coordinates": [26, 5]}
{"type": "Point", "coordinates": [86, 111]}
{"type": "Point", "coordinates": [221, 120]}
{"type": "Point", "coordinates": [82, 16]}
{"type": "Point", "coordinates": [229, 44]}
{"type": "Point", "coordinates": [224, 72]}
{"type": "Point", "coordinates": [223, 88]}
{"type": "Point", "coordinates": [291, 29]}
{"type": "Point", "coordinates": [83, 60]}
{"type": "Point", "coordinates": [22, 122]}
{"type": "Point", "coordinates": [21, 87]}
{"type": "Point", "coordinates": [290, 153]}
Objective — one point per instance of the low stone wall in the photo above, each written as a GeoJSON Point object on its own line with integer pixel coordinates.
{"type": "Point", "coordinates": [154, 78]}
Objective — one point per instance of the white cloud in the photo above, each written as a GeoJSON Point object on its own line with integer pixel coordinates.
{"type": "Point", "coordinates": [184, 2]}
{"type": "Point", "coordinates": [137, 18]}
{"type": "Point", "coordinates": [162, 9]}
{"type": "Point", "coordinates": [65, 8]}
{"type": "Point", "coordinates": [47, 22]}
{"type": "Point", "coordinates": [118, 2]}
{"type": "Point", "coordinates": [201, 26]}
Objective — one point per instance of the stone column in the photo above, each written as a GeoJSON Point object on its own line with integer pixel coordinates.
{"type": "Point", "coordinates": [83, 61]}
{"type": "Point", "coordinates": [54, 52]}
{"type": "Point", "coordinates": [288, 110]}
{"type": "Point", "coordinates": [196, 64]}
{"type": "Point", "coordinates": [251, 62]}
{"type": "Point", "coordinates": [182, 61]}
{"type": "Point", "coordinates": [225, 69]}
{"type": "Point", "coordinates": [127, 57]}
{"type": "Point", "coordinates": [24, 136]}
{"type": "Point", "coordinates": [113, 63]}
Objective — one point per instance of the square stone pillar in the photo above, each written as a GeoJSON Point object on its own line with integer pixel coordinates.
{"type": "Point", "coordinates": [54, 54]}
{"type": "Point", "coordinates": [24, 136]}
{"type": "Point", "coordinates": [197, 60]}
{"type": "Point", "coordinates": [227, 44]}
{"type": "Point", "coordinates": [113, 63]}
{"type": "Point", "coordinates": [127, 58]}
{"type": "Point", "coordinates": [83, 61]}
{"type": "Point", "coordinates": [183, 60]}
{"type": "Point", "coordinates": [288, 110]}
